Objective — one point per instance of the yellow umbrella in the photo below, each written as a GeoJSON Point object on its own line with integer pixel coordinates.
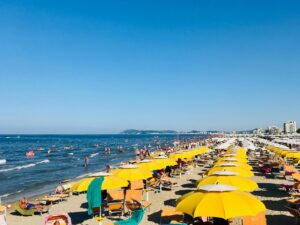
{"type": "Point", "coordinates": [234, 164]}
{"type": "Point", "coordinates": [151, 165]}
{"type": "Point", "coordinates": [166, 161]}
{"type": "Point", "coordinates": [241, 172]}
{"type": "Point", "coordinates": [131, 172]}
{"type": "Point", "coordinates": [182, 155]}
{"type": "Point", "coordinates": [241, 183]}
{"type": "Point", "coordinates": [232, 159]}
{"type": "Point", "coordinates": [295, 155]}
{"type": "Point", "coordinates": [225, 204]}
{"type": "Point", "coordinates": [110, 182]}
{"type": "Point", "coordinates": [243, 157]}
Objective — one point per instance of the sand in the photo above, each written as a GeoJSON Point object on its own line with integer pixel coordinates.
{"type": "Point", "coordinates": [274, 199]}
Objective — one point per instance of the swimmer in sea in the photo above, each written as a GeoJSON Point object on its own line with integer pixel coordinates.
{"type": "Point", "coordinates": [86, 161]}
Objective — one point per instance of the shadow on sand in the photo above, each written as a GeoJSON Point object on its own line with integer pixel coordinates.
{"type": "Point", "coordinates": [280, 220]}
{"type": "Point", "coordinates": [155, 217]}
{"type": "Point", "coordinates": [79, 217]}
{"type": "Point", "coordinates": [183, 192]}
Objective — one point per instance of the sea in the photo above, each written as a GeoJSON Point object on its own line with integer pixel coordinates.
{"type": "Point", "coordinates": [61, 157]}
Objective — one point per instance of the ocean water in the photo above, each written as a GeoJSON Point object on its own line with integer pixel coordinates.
{"type": "Point", "coordinates": [23, 176]}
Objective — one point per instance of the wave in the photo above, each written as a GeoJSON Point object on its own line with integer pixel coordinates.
{"type": "Point", "coordinates": [2, 161]}
{"type": "Point", "coordinates": [94, 154]}
{"type": "Point", "coordinates": [25, 166]}
{"type": "Point", "coordinates": [8, 194]}
{"type": "Point", "coordinates": [71, 153]}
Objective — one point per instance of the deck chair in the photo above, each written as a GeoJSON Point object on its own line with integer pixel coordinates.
{"type": "Point", "coordinates": [295, 213]}
{"type": "Point", "coordinates": [133, 200]}
{"type": "Point", "coordinates": [259, 219]}
{"type": "Point", "coordinates": [115, 202]}
{"type": "Point", "coordinates": [136, 185]}
{"type": "Point", "coordinates": [289, 170]}
{"type": "Point", "coordinates": [23, 212]}
{"type": "Point", "coordinates": [135, 218]}
{"type": "Point", "coordinates": [166, 183]}
{"type": "Point", "coordinates": [171, 216]}
{"type": "Point", "coordinates": [153, 184]}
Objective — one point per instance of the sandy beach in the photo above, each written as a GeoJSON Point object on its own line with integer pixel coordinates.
{"type": "Point", "coordinates": [76, 206]}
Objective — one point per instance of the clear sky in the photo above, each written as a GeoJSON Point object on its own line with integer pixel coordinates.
{"type": "Point", "coordinates": [104, 66]}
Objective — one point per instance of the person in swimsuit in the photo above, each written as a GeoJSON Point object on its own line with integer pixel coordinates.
{"type": "Point", "coordinates": [25, 204]}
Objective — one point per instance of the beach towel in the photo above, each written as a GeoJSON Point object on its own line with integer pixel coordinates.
{"type": "Point", "coordinates": [94, 194]}
{"type": "Point", "coordinates": [135, 218]}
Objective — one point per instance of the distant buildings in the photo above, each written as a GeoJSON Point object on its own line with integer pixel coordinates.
{"type": "Point", "coordinates": [290, 127]}
{"type": "Point", "coordinates": [273, 130]}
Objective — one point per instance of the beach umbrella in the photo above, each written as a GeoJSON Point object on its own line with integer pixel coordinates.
{"type": "Point", "coordinates": [241, 183]}
{"type": "Point", "coordinates": [242, 172]}
{"type": "Point", "coordinates": [166, 161]}
{"type": "Point", "coordinates": [234, 164]}
{"type": "Point", "coordinates": [182, 155]}
{"type": "Point", "coordinates": [220, 201]}
{"type": "Point", "coordinates": [231, 159]}
{"type": "Point", "coordinates": [132, 172]}
{"type": "Point", "coordinates": [295, 155]}
{"type": "Point", "coordinates": [243, 157]}
{"type": "Point", "coordinates": [151, 165]}
{"type": "Point", "coordinates": [109, 182]}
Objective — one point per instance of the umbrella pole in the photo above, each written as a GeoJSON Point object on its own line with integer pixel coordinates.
{"type": "Point", "coordinates": [100, 216]}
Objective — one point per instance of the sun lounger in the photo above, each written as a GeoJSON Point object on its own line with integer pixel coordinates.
{"type": "Point", "coordinates": [166, 183]}
{"type": "Point", "coordinates": [171, 216]}
{"type": "Point", "coordinates": [136, 185]}
{"type": "Point", "coordinates": [49, 200]}
{"type": "Point", "coordinates": [259, 219]}
{"type": "Point", "coordinates": [134, 196]}
{"type": "Point", "coordinates": [115, 204]}
{"type": "Point", "coordinates": [29, 212]}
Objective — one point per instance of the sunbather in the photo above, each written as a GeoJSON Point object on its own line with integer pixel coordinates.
{"type": "Point", "coordinates": [25, 204]}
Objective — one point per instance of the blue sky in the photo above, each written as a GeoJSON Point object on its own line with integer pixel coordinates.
{"type": "Point", "coordinates": [104, 66]}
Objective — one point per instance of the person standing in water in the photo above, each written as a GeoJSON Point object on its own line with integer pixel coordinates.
{"type": "Point", "coordinates": [86, 161]}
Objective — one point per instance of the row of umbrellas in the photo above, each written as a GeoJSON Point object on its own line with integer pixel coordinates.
{"type": "Point", "coordinates": [141, 171]}
{"type": "Point", "coordinates": [224, 193]}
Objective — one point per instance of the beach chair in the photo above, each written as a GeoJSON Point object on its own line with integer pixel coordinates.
{"type": "Point", "coordinates": [115, 202]}
{"type": "Point", "coordinates": [63, 219]}
{"type": "Point", "coordinates": [136, 185]}
{"type": "Point", "coordinates": [153, 184]}
{"type": "Point", "coordinates": [166, 183]}
{"type": "Point", "coordinates": [259, 219]}
{"type": "Point", "coordinates": [133, 200]}
{"type": "Point", "coordinates": [289, 170]}
{"type": "Point", "coordinates": [23, 212]}
{"type": "Point", "coordinates": [171, 216]}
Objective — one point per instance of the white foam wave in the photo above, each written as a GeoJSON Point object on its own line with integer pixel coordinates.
{"type": "Point", "coordinates": [2, 161]}
{"type": "Point", "coordinates": [8, 194]}
{"type": "Point", "coordinates": [70, 153]}
{"type": "Point", "coordinates": [83, 175]}
{"type": "Point", "coordinates": [25, 166]}
{"type": "Point", "coordinates": [94, 154]}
